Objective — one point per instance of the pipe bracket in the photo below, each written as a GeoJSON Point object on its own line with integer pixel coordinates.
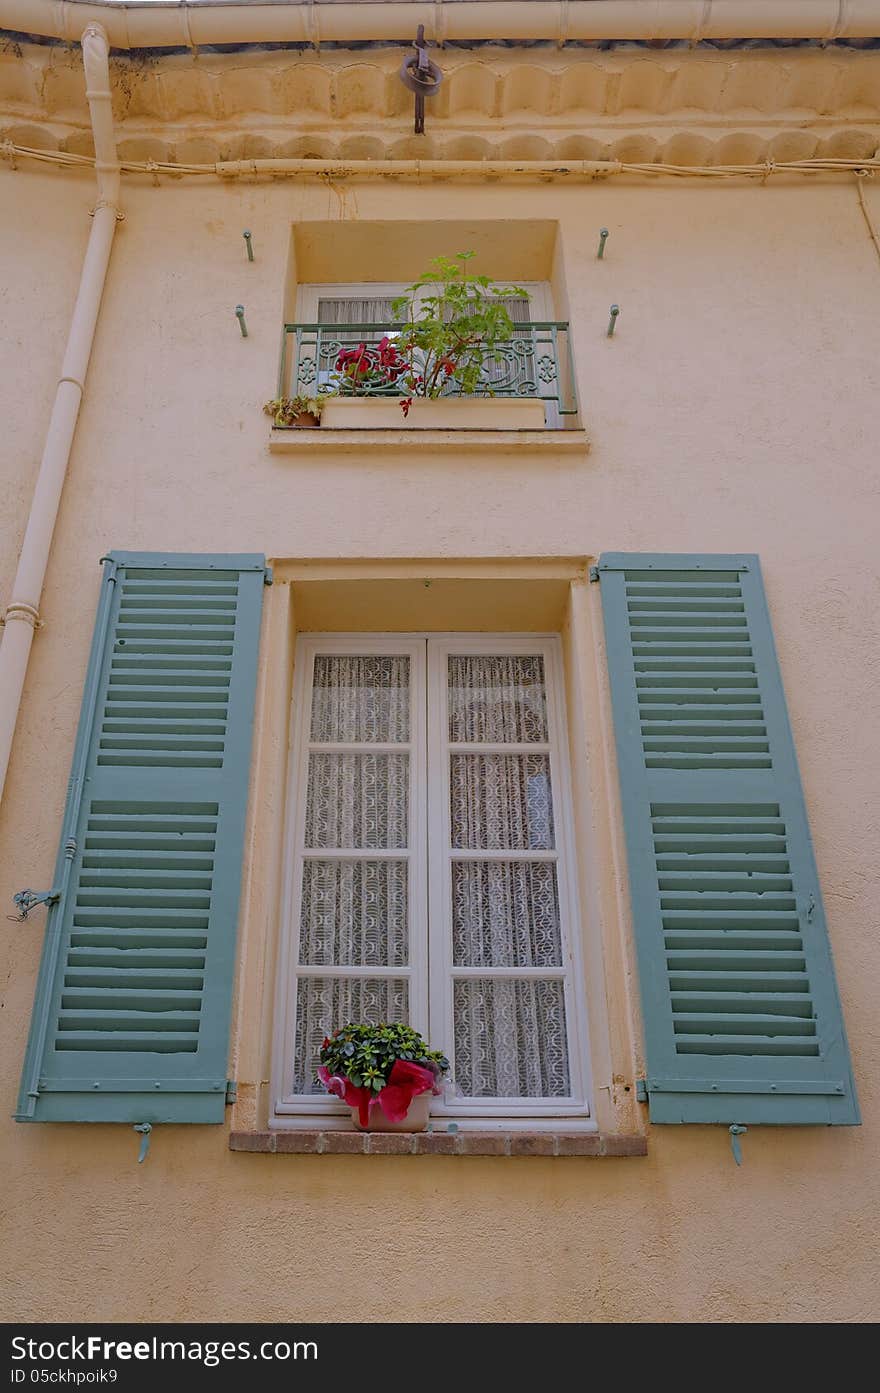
{"type": "Point", "coordinates": [108, 203]}
{"type": "Point", "coordinates": [20, 609]}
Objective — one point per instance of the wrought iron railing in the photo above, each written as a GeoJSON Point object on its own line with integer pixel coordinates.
{"type": "Point", "coordinates": [535, 362]}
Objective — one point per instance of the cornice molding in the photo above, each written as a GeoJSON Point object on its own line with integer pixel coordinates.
{"type": "Point", "coordinates": [675, 106]}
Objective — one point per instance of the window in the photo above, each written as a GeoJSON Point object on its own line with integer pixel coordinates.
{"type": "Point", "coordinates": [430, 868]}
{"type": "Point", "coordinates": [336, 316]}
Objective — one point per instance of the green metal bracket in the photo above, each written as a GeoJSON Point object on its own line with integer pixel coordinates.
{"type": "Point", "coordinates": [239, 314]}
{"type": "Point", "coordinates": [641, 1090]}
{"type": "Point", "coordinates": [267, 575]}
{"type": "Point", "coordinates": [593, 573]}
{"type": "Point", "coordinates": [144, 1128]}
{"type": "Point", "coordinates": [736, 1131]}
{"type": "Point", "coordinates": [603, 238]}
{"type": "Point", "coordinates": [231, 1092]}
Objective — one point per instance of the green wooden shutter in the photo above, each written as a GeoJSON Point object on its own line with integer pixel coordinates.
{"type": "Point", "coordinates": [131, 1016]}
{"type": "Point", "coordinates": [741, 1012]}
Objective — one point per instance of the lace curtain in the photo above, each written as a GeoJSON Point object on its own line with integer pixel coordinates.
{"type": "Point", "coordinates": [509, 1031]}
{"type": "Point", "coordinates": [354, 912]}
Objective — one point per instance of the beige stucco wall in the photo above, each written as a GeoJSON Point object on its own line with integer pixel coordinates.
{"type": "Point", "coordinates": [735, 410]}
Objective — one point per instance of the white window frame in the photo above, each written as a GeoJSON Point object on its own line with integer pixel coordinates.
{"type": "Point", "coordinates": [429, 891]}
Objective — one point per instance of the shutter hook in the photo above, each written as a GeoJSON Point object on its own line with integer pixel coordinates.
{"type": "Point", "coordinates": [736, 1131]}
{"type": "Point", "coordinates": [145, 1128]}
{"type": "Point", "coordinates": [26, 900]}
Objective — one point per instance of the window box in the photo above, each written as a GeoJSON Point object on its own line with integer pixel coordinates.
{"type": "Point", "coordinates": [442, 413]}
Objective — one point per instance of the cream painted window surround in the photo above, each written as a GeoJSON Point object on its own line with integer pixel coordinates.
{"type": "Point", "coordinates": [430, 871]}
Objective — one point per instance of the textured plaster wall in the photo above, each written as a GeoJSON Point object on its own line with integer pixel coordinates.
{"type": "Point", "coordinates": [735, 409]}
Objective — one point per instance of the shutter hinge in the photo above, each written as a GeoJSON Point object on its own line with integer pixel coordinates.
{"type": "Point", "coordinates": [641, 1090]}
{"type": "Point", "coordinates": [594, 573]}
{"type": "Point", "coordinates": [267, 575]}
{"type": "Point", "coordinates": [231, 1092]}
{"type": "Point", "coordinates": [26, 900]}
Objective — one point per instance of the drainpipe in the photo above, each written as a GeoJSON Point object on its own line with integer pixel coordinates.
{"type": "Point", "coordinates": [22, 614]}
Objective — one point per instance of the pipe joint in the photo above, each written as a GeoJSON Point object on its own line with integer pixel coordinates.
{"type": "Point", "coordinates": [20, 609]}
{"type": "Point", "coordinates": [107, 203]}
{"type": "Point", "coordinates": [74, 382]}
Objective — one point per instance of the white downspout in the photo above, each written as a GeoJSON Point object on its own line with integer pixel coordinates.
{"type": "Point", "coordinates": [22, 614]}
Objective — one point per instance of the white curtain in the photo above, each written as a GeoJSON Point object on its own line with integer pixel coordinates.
{"type": "Point", "coordinates": [354, 912]}
{"type": "Point", "coordinates": [509, 1031]}
{"type": "Point", "coordinates": [323, 1003]}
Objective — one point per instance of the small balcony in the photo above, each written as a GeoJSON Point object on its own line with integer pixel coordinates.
{"type": "Point", "coordinates": [534, 366]}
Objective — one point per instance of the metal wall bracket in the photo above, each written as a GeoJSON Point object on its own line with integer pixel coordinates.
{"type": "Point", "coordinates": [641, 1090]}
{"type": "Point", "coordinates": [26, 900]}
{"type": "Point", "coordinates": [593, 573]}
{"type": "Point", "coordinates": [231, 1092]}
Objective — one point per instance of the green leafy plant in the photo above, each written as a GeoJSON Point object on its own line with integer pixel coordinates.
{"type": "Point", "coordinates": [285, 411]}
{"type": "Point", "coordinates": [455, 322]}
{"type": "Point", "coordinates": [366, 1054]}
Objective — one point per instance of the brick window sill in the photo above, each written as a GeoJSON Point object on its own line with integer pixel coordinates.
{"type": "Point", "coordinates": [439, 1143]}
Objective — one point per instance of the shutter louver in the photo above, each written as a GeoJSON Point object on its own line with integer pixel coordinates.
{"type": "Point", "coordinates": [742, 1018]}
{"type": "Point", "coordinates": [131, 1017]}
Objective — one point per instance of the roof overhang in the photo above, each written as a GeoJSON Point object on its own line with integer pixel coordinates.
{"type": "Point", "coordinates": [210, 22]}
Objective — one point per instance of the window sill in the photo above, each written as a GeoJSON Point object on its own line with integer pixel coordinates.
{"type": "Point", "coordinates": [412, 440]}
{"type": "Point", "coordinates": [440, 1143]}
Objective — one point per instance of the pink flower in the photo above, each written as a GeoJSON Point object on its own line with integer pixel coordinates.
{"type": "Point", "coordinates": [405, 1082]}
{"type": "Point", "coordinates": [343, 1088]}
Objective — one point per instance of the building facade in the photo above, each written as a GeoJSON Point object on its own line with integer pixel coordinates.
{"type": "Point", "coordinates": [472, 717]}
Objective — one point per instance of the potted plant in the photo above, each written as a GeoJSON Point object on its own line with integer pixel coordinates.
{"type": "Point", "coordinates": [299, 412]}
{"type": "Point", "coordinates": [455, 324]}
{"type": "Point", "coordinates": [385, 1073]}
{"type": "Point", "coordinates": [437, 366]}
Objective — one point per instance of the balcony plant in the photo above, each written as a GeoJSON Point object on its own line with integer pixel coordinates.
{"type": "Point", "coordinates": [369, 370]}
{"type": "Point", "coordinates": [453, 325]}
{"type": "Point", "coordinates": [385, 1073]}
{"type": "Point", "coordinates": [300, 412]}
{"type": "Point", "coordinates": [455, 322]}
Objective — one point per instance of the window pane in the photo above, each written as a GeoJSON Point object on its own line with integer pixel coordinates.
{"type": "Point", "coordinates": [358, 801]}
{"type": "Point", "coordinates": [360, 698]}
{"type": "Point", "coordinates": [354, 913]}
{"type": "Point", "coordinates": [510, 1038]}
{"type": "Point", "coordinates": [501, 802]}
{"type": "Point", "coordinates": [495, 699]}
{"type": "Point", "coordinates": [324, 1003]}
{"type": "Point", "coordinates": [505, 914]}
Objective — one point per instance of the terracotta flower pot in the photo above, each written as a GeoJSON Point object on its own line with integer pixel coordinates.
{"type": "Point", "coordinates": [305, 420]}
{"type": "Point", "coordinates": [416, 1119]}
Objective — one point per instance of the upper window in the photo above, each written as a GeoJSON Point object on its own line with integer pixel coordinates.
{"type": "Point", "coordinates": [430, 877]}
{"type": "Point", "coordinates": [332, 318]}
